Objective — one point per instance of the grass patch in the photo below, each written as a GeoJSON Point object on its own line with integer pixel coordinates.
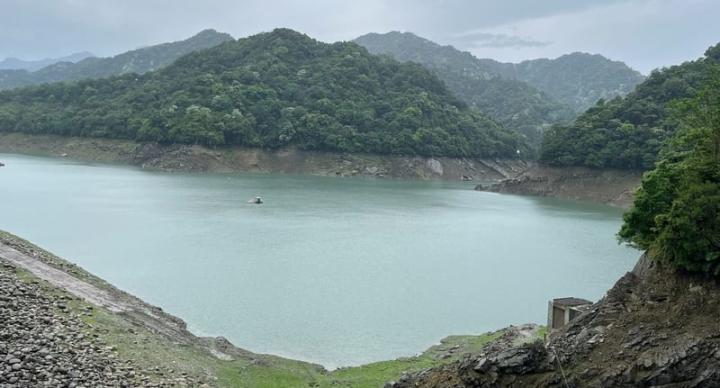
{"type": "Point", "coordinates": [377, 374]}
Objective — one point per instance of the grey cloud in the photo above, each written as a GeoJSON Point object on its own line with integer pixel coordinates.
{"type": "Point", "coordinates": [33, 29]}
{"type": "Point", "coordinates": [41, 28]}
{"type": "Point", "coordinates": [485, 39]}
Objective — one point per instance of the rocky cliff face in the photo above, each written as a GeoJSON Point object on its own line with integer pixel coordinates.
{"type": "Point", "coordinates": [655, 327]}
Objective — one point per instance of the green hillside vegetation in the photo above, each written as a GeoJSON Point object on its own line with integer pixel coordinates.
{"type": "Point", "coordinates": [270, 90]}
{"type": "Point", "coordinates": [135, 61]}
{"type": "Point", "coordinates": [628, 132]}
{"type": "Point", "coordinates": [676, 214]}
{"type": "Point", "coordinates": [577, 80]}
{"type": "Point", "coordinates": [513, 103]}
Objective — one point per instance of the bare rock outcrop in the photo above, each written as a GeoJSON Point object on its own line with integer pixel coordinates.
{"type": "Point", "coordinates": [612, 187]}
{"type": "Point", "coordinates": [655, 327]}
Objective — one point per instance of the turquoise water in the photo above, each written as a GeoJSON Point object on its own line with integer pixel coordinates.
{"type": "Point", "coordinates": [330, 270]}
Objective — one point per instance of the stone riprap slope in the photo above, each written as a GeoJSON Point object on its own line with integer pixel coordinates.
{"type": "Point", "coordinates": [44, 343]}
{"type": "Point", "coordinates": [102, 336]}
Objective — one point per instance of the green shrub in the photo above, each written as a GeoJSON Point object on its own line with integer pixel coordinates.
{"type": "Point", "coordinates": [676, 213]}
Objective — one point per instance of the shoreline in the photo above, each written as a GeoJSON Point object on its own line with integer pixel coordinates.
{"type": "Point", "coordinates": [603, 186]}
{"type": "Point", "coordinates": [141, 333]}
{"type": "Point", "coordinates": [192, 158]}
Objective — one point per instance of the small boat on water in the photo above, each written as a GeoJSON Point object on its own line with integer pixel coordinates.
{"type": "Point", "coordinates": [2, 164]}
{"type": "Point", "coordinates": [256, 201]}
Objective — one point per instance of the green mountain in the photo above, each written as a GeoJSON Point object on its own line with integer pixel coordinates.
{"type": "Point", "coordinates": [513, 103]}
{"type": "Point", "coordinates": [269, 90]}
{"type": "Point", "coordinates": [676, 213]}
{"type": "Point", "coordinates": [628, 132]}
{"type": "Point", "coordinates": [577, 80]}
{"type": "Point", "coordinates": [20, 64]}
{"type": "Point", "coordinates": [135, 61]}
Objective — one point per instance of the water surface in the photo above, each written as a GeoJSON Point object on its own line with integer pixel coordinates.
{"type": "Point", "coordinates": [330, 270]}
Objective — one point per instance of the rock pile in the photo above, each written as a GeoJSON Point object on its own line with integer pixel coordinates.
{"type": "Point", "coordinates": [44, 343]}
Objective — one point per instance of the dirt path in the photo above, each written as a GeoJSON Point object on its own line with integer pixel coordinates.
{"type": "Point", "coordinates": [75, 286]}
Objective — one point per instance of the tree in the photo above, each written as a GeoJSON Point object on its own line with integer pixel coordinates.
{"type": "Point", "coordinates": [278, 89]}
{"type": "Point", "coordinates": [676, 213]}
{"type": "Point", "coordinates": [629, 132]}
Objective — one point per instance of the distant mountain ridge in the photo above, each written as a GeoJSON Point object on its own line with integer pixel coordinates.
{"type": "Point", "coordinates": [530, 95]}
{"type": "Point", "coordinates": [513, 103]}
{"type": "Point", "coordinates": [578, 79]}
{"type": "Point", "coordinates": [33, 65]}
{"type": "Point", "coordinates": [628, 132]}
{"type": "Point", "coordinates": [136, 61]}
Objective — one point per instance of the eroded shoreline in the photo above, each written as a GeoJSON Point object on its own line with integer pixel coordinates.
{"type": "Point", "coordinates": [187, 158]}
{"type": "Point", "coordinates": [605, 186]}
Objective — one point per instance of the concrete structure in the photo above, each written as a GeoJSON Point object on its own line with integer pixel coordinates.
{"type": "Point", "coordinates": [563, 310]}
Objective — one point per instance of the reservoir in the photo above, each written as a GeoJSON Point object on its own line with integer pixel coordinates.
{"type": "Point", "coordinates": [337, 271]}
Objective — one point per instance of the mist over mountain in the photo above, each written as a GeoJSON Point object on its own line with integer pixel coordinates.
{"type": "Point", "coordinates": [32, 65]}
{"type": "Point", "coordinates": [577, 80]}
{"type": "Point", "coordinates": [136, 61]}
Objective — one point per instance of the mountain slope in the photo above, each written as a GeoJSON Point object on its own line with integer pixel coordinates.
{"type": "Point", "coordinates": [628, 132]}
{"type": "Point", "coordinates": [135, 61]}
{"type": "Point", "coordinates": [578, 80]}
{"type": "Point", "coordinates": [269, 90]}
{"type": "Point", "coordinates": [514, 103]}
{"type": "Point", "coordinates": [19, 64]}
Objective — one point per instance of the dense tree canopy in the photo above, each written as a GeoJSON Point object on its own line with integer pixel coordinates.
{"type": "Point", "coordinates": [270, 90]}
{"type": "Point", "coordinates": [628, 132]}
{"type": "Point", "coordinates": [136, 61]}
{"type": "Point", "coordinates": [676, 213]}
{"type": "Point", "coordinates": [511, 102]}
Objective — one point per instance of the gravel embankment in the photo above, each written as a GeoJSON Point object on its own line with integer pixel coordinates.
{"type": "Point", "coordinates": [45, 343]}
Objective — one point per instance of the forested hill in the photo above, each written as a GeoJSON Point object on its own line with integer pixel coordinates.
{"type": "Point", "coordinates": [577, 80]}
{"type": "Point", "coordinates": [270, 90]}
{"type": "Point", "coordinates": [514, 103]}
{"type": "Point", "coordinates": [32, 65]}
{"type": "Point", "coordinates": [135, 61]}
{"type": "Point", "coordinates": [628, 132]}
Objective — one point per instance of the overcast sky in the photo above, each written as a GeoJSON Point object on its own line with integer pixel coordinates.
{"type": "Point", "coordinates": [643, 33]}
